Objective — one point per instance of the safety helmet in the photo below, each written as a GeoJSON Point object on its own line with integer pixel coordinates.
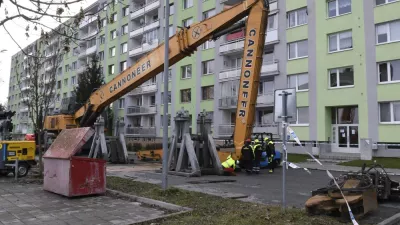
{"type": "Point", "coordinates": [256, 141]}
{"type": "Point", "coordinates": [266, 139]}
{"type": "Point", "coordinates": [229, 157]}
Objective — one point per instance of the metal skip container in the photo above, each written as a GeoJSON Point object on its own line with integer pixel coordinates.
{"type": "Point", "coordinates": [70, 175]}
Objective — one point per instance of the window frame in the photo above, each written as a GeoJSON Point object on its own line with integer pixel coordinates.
{"type": "Point", "coordinates": [113, 69]}
{"type": "Point", "coordinates": [123, 32]}
{"type": "Point", "coordinates": [187, 19]}
{"type": "Point", "coordinates": [388, 33]}
{"type": "Point", "coordinates": [121, 103]}
{"type": "Point", "coordinates": [169, 97]}
{"type": "Point", "coordinates": [297, 50]}
{"type": "Point", "coordinates": [337, 9]}
{"type": "Point", "coordinates": [102, 39]}
{"type": "Point", "coordinates": [203, 88]}
{"type": "Point", "coordinates": [206, 63]}
{"type": "Point", "coordinates": [122, 47]}
{"type": "Point", "coordinates": [338, 78]}
{"type": "Point", "coordinates": [111, 52]}
{"type": "Point", "coordinates": [386, 2]}
{"type": "Point", "coordinates": [296, 11]}
{"type": "Point", "coordinates": [338, 41]}
{"type": "Point", "coordinates": [389, 72]}
{"type": "Point", "coordinates": [297, 118]}
{"type": "Point", "coordinates": [121, 66]}
{"type": "Point", "coordinates": [112, 34]}
{"type": "Point", "coordinates": [124, 11]}
{"type": "Point", "coordinates": [297, 81]}
{"type": "Point", "coordinates": [181, 97]}
{"type": "Point", "coordinates": [183, 4]}
{"type": "Point", "coordinates": [184, 71]}
{"type": "Point", "coordinates": [392, 121]}
{"type": "Point", "coordinates": [101, 55]}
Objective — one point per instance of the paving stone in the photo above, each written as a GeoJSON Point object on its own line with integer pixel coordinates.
{"type": "Point", "coordinates": [30, 205]}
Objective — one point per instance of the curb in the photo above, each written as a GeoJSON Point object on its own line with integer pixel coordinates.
{"type": "Point", "coordinates": [341, 170]}
{"type": "Point", "coordinates": [391, 220]}
{"type": "Point", "coordinates": [149, 201]}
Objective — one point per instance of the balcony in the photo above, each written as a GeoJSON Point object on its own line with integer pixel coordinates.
{"type": "Point", "coordinates": [144, 48]}
{"type": "Point", "coordinates": [141, 110]}
{"type": "Point", "coordinates": [229, 102]}
{"type": "Point", "coordinates": [91, 50]}
{"type": "Point", "coordinates": [144, 89]}
{"type": "Point", "coordinates": [268, 68]}
{"type": "Point", "coordinates": [24, 109]}
{"type": "Point", "coordinates": [141, 131]}
{"type": "Point", "coordinates": [145, 28]}
{"type": "Point", "coordinates": [82, 68]}
{"type": "Point", "coordinates": [225, 130]}
{"type": "Point", "coordinates": [87, 20]}
{"type": "Point", "coordinates": [88, 35]}
{"type": "Point", "coordinates": [238, 44]}
{"type": "Point", "coordinates": [25, 88]}
{"type": "Point", "coordinates": [267, 99]}
{"type": "Point", "coordinates": [150, 6]}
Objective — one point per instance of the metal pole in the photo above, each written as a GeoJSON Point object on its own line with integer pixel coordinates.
{"type": "Point", "coordinates": [165, 114]}
{"type": "Point", "coordinates": [284, 112]}
{"type": "Point", "coordinates": [16, 167]}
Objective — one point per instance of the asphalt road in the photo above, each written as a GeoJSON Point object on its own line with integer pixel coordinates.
{"type": "Point", "coordinates": [262, 188]}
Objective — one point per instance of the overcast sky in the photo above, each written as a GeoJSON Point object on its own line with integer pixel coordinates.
{"type": "Point", "coordinates": [17, 29]}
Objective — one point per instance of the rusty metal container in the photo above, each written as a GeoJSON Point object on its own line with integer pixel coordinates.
{"type": "Point", "coordinates": [70, 175]}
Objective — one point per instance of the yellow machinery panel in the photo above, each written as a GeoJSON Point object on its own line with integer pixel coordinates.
{"type": "Point", "coordinates": [23, 150]}
{"type": "Point", "coordinates": [59, 122]}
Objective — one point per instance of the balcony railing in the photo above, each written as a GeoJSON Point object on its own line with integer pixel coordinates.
{"type": "Point", "coordinates": [238, 44]}
{"type": "Point", "coordinates": [141, 110]}
{"type": "Point", "coordinates": [141, 131]}
{"type": "Point", "coordinates": [144, 48]}
{"type": "Point", "coordinates": [228, 129]}
{"type": "Point", "coordinates": [268, 67]}
{"type": "Point", "coordinates": [151, 5]}
{"type": "Point", "coordinates": [228, 102]}
{"type": "Point", "coordinates": [267, 99]}
{"type": "Point", "coordinates": [87, 20]}
{"type": "Point", "coordinates": [91, 50]}
{"type": "Point", "coordinates": [145, 28]}
{"type": "Point", "coordinates": [144, 89]}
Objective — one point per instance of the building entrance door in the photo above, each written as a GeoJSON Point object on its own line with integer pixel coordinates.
{"type": "Point", "coordinates": [345, 136]}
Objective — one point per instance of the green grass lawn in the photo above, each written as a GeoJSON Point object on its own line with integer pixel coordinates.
{"type": "Point", "coordinates": [296, 158]}
{"type": "Point", "coordinates": [209, 210]}
{"type": "Point", "coordinates": [385, 162]}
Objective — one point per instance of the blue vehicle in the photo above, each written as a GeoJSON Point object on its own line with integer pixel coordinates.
{"type": "Point", "coordinates": [264, 160]}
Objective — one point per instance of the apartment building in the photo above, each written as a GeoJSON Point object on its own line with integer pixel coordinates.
{"type": "Point", "coordinates": [339, 55]}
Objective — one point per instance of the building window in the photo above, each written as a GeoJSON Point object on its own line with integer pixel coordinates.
{"type": "Point", "coordinates": [341, 77]}
{"type": "Point", "coordinates": [170, 31]}
{"type": "Point", "coordinates": [103, 22]}
{"type": "Point", "coordinates": [110, 69]}
{"type": "Point", "coordinates": [302, 116]}
{"type": "Point", "coordinates": [187, 22]}
{"type": "Point", "coordinates": [299, 82]}
{"type": "Point", "coordinates": [272, 23]}
{"type": "Point", "coordinates": [382, 2]}
{"type": "Point", "coordinates": [389, 112]}
{"type": "Point", "coordinates": [187, 4]}
{"type": "Point", "coordinates": [125, 11]}
{"type": "Point", "coordinates": [59, 84]}
{"type": "Point", "coordinates": [169, 75]}
{"type": "Point", "coordinates": [124, 29]}
{"type": "Point", "coordinates": [207, 92]}
{"type": "Point", "coordinates": [389, 71]}
{"type": "Point", "coordinates": [104, 6]}
{"type": "Point", "coordinates": [66, 68]}
{"type": "Point", "coordinates": [207, 67]}
{"type": "Point", "coordinates": [66, 82]}
{"type": "Point", "coordinates": [74, 65]}
{"type": "Point", "coordinates": [121, 103]}
{"type": "Point", "coordinates": [208, 14]}
{"type": "Point", "coordinates": [75, 51]}
{"type": "Point", "coordinates": [102, 39]}
{"type": "Point", "coordinates": [114, 17]}
{"type": "Point", "coordinates": [73, 80]}
{"type": "Point", "coordinates": [113, 34]}
{"type": "Point", "coordinates": [162, 120]}
{"type": "Point", "coordinates": [298, 49]}
{"type": "Point", "coordinates": [208, 44]}
{"type": "Point", "coordinates": [124, 47]}
{"type": "Point", "coordinates": [186, 96]}
{"type": "Point", "coordinates": [338, 7]}
{"type": "Point", "coordinates": [64, 95]}
{"type": "Point", "coordinates": [388, 32]}
{"type": "Point", "coordinates": [340, 41]}
{"type": "Point", "coordinates": [169, 97]}
{"type": "Point", "coordinates": [186, 71]}
{"type": "Point", "coordinates": [101, 55]}
{"type": "Point", "coordinates": [112, 52]}
{"type": "Point", "coordinates": [122, 66]}
{"type": "Point", "coordinates": [297, 17]}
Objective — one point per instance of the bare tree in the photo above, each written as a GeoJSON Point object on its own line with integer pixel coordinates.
{"type": "Point", "coordinates": [37, 83]}
{"type": "Point", "coordinates": [34, 12]}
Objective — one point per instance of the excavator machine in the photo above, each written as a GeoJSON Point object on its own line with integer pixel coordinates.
{"type": "Point", "coordinates": [182, 44]}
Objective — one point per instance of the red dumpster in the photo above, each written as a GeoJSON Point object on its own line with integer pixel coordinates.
{"type": "Point", "coordinates": [70, 175]}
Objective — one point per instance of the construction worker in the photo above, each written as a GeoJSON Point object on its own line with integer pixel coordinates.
{"type": "Point", "coordinates": [229, 166]}
{"type": "Point", "coordinates": [257, 152]}
{"type": "Point", "coordinates": [270, 150]}
{"type": "Point", "coordinates": [247, 156]}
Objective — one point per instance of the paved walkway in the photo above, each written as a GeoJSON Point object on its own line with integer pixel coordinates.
{"type": "Point", "coordinates": [334, 167]}
{"type": "Point", "coordinates": [29, 204]}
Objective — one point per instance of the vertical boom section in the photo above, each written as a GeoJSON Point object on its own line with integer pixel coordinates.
{"type": "Point", "coordinates": [250, 74]}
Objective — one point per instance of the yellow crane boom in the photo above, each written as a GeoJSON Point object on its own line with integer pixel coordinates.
{"type": "Point", "coordinates": [182, 44]}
